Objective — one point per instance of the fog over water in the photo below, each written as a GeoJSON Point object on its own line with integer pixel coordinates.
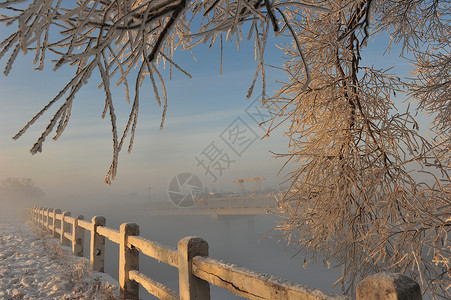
{"type": "Point", "coordinates": [240, 241]}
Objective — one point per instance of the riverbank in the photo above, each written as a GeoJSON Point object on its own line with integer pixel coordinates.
{"type": "Point", "coordinates": [33, 265]}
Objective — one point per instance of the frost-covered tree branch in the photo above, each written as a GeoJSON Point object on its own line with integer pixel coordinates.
{"type": "Point", "coordinates": [369, 193]}
{"type": "Point", "coordinates": [110, 36]}
{"type": "Point", "coordinates": [114, 37]}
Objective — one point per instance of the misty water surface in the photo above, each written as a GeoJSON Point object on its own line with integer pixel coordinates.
{"type": "Point", "coordinates": [239, 241]}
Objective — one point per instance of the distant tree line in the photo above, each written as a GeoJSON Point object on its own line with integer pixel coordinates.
{"type": "Point", "coordinates": [19, 189]}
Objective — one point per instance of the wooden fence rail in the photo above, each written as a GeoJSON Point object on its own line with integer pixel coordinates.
{"type": "Point", "coordinates": [196, 270]}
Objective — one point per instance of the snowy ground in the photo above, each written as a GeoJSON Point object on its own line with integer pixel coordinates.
{"type": "Point", "coordinates": [34, 266]}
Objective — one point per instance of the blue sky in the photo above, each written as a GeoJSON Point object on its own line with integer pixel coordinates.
{"type": "Point", "coordinates": [200, 110]}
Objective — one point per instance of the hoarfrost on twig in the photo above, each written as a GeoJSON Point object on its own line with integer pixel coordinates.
{"type": "Point", "coordinates": [354, 197]}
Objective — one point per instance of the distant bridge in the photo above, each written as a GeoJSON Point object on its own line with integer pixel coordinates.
{"type": "Point", "coordinates": [220, 206]}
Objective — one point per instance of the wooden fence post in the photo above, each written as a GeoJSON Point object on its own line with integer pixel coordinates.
{"type": "Point", "coordinates": [191, 287]}
{"type": "Point", "coordinates": [78, 237]}
{"type": "Point", "coordinates": [55, 212]}
{"type": "Point", "coordinates": [65, 227]}
{"type": "Point", "coordinates": [383, 286]}
{"type": "Point", "coordinates": [97, 249]}
{"type": "Point", "coordinates": [128, 260]}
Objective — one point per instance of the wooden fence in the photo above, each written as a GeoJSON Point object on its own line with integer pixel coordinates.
{"type": "Point", "coordinates": [196, 270]}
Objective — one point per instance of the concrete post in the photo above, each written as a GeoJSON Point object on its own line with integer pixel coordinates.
{"type": "Point", "coordinates": [191, 287]}
{"type": "Point", "coordinates": [44, 211]}
{"type": "Point", "coordinates": [97, 249]}
{"type": "Point", "coordinates": [56, 211]}
{"type": "Point", "coordinates": [128, 260]}
{"type": "Point", "coordinates": [41, 209]}
{"type": "Point", "coordinates": [388, 286]}
{"type": "Point", "coordinates": [47, 218]}
{"type": "Point", "coordinates": [65, 227]}
{"type": "Point", "coordinates": [78, 237]}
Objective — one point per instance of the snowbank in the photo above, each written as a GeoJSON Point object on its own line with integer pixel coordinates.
{"type": "Point", "coordinates": [34, 266]}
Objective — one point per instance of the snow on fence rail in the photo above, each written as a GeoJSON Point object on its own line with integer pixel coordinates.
{"type": "Point", "coordinates": [196, 269]}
